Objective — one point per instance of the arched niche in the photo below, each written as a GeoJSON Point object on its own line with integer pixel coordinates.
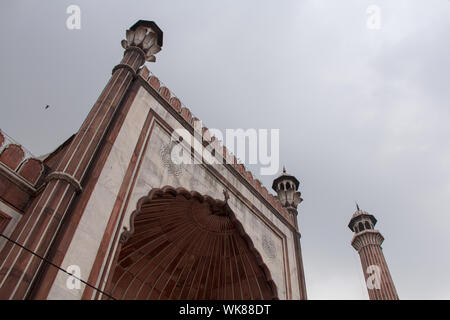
{"type": "Point", "coordinates": [184, 245]}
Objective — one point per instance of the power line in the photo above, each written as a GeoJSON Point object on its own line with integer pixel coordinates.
{"type": "Point", "coordinates": [9, 139]}
{"type": "Point", "coordinates": [59, 268]}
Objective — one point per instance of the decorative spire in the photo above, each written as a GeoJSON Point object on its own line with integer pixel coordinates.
{"type": "Point", "coordinates": [146, 36]}
{"type": "Point", "coordinates": [284, 169]}
{"type": "Point", "coordinates": [226, 195]}
{"type": "Point", "coordinates": [357, 207]}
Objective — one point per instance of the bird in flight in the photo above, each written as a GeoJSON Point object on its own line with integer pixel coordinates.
{"type": "Point", "coordinates": [46, 107]}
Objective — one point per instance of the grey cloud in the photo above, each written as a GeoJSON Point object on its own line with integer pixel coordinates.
{"type": "Point", "coordinates": [363, 114]}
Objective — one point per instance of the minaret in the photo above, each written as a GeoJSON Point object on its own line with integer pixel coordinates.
{"type": "Point", "coordinates": [367, 242]}
{"type": "Point", "coordinates": [286, 187]}
{"type": "Point", "coordinates": [44, 217]}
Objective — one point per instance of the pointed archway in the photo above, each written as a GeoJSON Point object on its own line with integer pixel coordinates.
{"type": "Point", "coordinates": [183, 245]}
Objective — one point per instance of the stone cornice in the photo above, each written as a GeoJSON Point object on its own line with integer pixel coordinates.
{"type": "Point", "coordinates": [17, 179]}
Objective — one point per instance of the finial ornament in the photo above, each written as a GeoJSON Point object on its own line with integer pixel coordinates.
{"type": "Point", "coordinates": [284, 169]}
{"type": "Point", "coordinates": [357, 207]}
{"type": "Point", "coordinates": [226, 195]}
{"type": "Point", "coordinates": [146, 36]}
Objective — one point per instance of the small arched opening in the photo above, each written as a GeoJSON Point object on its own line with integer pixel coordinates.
{"type": "Point", "coordinates": [360, 226]}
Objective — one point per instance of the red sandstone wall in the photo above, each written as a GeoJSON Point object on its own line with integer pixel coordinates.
{"type": "Point", "coordinates": [18, 176]}
{"type": "Point", "coordinates": [4, 220]}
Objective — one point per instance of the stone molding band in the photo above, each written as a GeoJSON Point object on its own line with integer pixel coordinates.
{"type": "Point", "coordinates": [124, 66]}
{"type": "Point", "coordinates": [138, 50]}
{"type": "Point", "coordinates": [58, 175]}
{"type": "Point", "coordinates": [366, 238]}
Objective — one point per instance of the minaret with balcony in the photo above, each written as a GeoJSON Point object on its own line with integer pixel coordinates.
{"type": "Point", "coordinates": [286, 186]}
{"type": "Point", "coordinates": [367, 241]}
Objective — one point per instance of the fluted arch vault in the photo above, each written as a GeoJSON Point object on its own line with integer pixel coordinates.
{"type": "Point", "coordinates": [183, 245]}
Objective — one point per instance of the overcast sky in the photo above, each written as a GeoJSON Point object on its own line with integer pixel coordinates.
{"type": "Point", "coordinates": [364, 114]}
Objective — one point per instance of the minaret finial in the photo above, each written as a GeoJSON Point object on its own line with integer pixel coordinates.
{"type": "Point", "coordinates": [144, 37]}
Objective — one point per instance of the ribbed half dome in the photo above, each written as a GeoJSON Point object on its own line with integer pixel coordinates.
{"type": "Point", "coordinates": [186, 246]}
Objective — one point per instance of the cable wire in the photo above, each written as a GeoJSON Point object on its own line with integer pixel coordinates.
{"type": "Point", "coordinates": [59, 268]}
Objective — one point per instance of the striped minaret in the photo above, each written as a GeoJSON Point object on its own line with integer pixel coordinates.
{"type": "Point", "coordinates": [367, 242]}
{"type": "Point", "coordinates": [38, 228]}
